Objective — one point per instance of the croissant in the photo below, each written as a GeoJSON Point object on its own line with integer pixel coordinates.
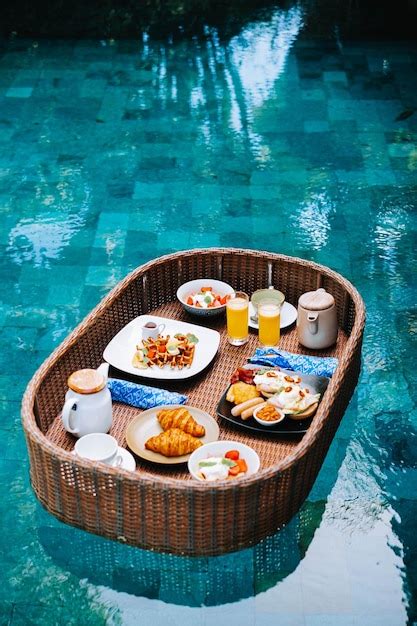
{"type": "Point", "coordinates": [173, 442]}
{"type": "Point", "coordinates": [182, 419]}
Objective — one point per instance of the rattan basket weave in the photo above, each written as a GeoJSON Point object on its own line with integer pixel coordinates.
{"type": "Point", "coordinates": [163, 509]}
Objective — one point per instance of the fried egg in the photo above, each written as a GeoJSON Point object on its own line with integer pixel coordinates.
{"type": "Point", "coordinates": [294, 399]}
{"type": "Point", "coordinates": [271, 382]}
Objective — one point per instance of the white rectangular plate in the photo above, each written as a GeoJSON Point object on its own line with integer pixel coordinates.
{"type": "Point", "coordinates": [122, 347]}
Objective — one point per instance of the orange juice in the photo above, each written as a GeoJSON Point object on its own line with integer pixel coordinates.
{"type": "Point", "coordinates": [269, 323]}
{"type": "Point", "coordinates": [237, 314]}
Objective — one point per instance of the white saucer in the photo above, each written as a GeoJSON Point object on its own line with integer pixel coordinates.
{"type": "Point", "coordinates": [288, 315]}
{"type": "Point", "coordinates": [129, 462]}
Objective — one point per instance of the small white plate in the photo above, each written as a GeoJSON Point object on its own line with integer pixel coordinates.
{"type": "Point", "coordinates": [288, 315]}
{"type": "Point", "coordinates": [129, 462]}
{"type": "Point", "coordinates": [219, 448]}
{"type": "Point", "coordinates": [119, 352]}
{"type": "Point", "coordinates": [146, 425]}
{"type": "Point", "coordinates": [194, 286]}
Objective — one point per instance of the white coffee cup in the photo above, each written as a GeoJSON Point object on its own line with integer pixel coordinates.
{"type": "Point", "coordinates": [151, 330]}
{"type": "Point", "coordinates": [99, 447]}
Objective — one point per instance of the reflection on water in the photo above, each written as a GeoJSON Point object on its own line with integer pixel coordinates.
{"type": "Point", "coordinates": [62, 210]}
{"type": "Point", "coordinates": [41, 239]}
{"type": "Point", "coordinates": [391, 226]}
{"type": "Point", "coordinates": [185, 581]}
{"type": "Point", "coordinates": [258, 54]}
{"type": "Point", "coordinates": [313, 219]}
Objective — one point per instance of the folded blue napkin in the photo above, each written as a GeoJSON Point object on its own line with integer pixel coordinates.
{"type": "Point", "coordinates": [317, 365]}
{"type": "Point", "coordinates": [141, 396]}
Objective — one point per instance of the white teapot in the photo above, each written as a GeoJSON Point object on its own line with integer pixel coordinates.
{"type": "Point", "coordinates": [317, 320]}
{"type": "Point", "coordinates": [88, 405]}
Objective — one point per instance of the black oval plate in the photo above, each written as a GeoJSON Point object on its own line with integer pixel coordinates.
{"type": "Point", "coordinates": [288, 426]}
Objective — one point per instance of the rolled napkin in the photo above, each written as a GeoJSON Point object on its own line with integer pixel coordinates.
{"type": "Point", "coordinates": [303, 363]}
{"type": "Point", "coordinates": [141, 396]}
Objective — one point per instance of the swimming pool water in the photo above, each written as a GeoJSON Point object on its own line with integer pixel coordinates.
{"type": "Point", "coordinates": [113, 153]}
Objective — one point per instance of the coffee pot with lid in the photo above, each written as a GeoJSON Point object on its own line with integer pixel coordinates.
{"type": "Point", "coordinates": [317, 319]}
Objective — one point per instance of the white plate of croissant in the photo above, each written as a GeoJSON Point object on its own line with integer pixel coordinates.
{"type": "Point", "coordinates": [169, 434]}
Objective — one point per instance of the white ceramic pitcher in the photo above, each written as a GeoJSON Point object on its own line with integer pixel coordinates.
{"type": "Point", "coordinates": [88, 405]}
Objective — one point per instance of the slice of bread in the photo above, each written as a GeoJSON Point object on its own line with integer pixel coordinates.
{"type": "Point", "coordinates": [309, 412]}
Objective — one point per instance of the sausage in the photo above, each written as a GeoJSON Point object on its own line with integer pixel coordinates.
{"type": "Point", "coordinates": [239, 408]}
{"type": "Point", "coordinates": [247, 413]}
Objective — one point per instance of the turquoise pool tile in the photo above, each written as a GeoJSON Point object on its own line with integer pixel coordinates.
{"type": "Point", "coordinates": [352, 177]}
{"type": "Point", "coordinates": [402, 150]}
{"type": "Point", "coordinates": [237, 240]}
{"type": "Point", "coordinates": [206, 207]}
{"type": "Point", "coordinates": [238, 224]}
{"type": "Point", "coordinates": [148, 191]}
{"type": "Point", "coordinates": [15, 445]}
{"type": "Point", "coordinates": [113, 105]}
{"type": "Point", "coordinates": [6, 612]}
{"type": "Point", "coordinates": [111, 221]}
{"type": "Point", "coordinates": [13, 385]}
{"type": "Point", "coordinates": [28, 317]}
{"type": "Point", "coordinates": [9, 414]}
{"type": "Point", "coordinates": [204, 240]}
{"type": "Point", "coordinates": [106, 275]}
{"type": "Point", "coordinates": [334, 76]}
{"type": "Point", "coordinates": [90, 298]}
{"type": "Point", "coordinates": [381, 177]}
{"type": "Point", "coordinates": [93, 88]}
{"type": "Point", "coordinates": [179, 190]}
{"type": "Point", "coordinates": [61, 320]}
{"type": "Point", "coordinates": [110, 241]}
{"type": "Point", "coordinates": [16, 343]}
{"type": "Point", "coordinates": [43, 615]}
{"type": "Point", "coordinates": [70, 296]}
{"type": "Point", "coordinates": [316, 126]}
{"type": "Point", "coordinates": [173, 240]}
{"type": "Point", "coordinates": [19, 92]}
{"type": "Point", "coordinates": [405, 177]}
{"type": "Point", "coordinates": [313, 94]}
{"type": "Point", "coordinates": [266, 192]}
{"type": "Point", "coordinates": [209, 192]}
{"type": "Point", "coordinates": [5, 311]}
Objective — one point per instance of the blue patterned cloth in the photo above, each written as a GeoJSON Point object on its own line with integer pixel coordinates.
{"type": "Point", "coordinates": [141, 396]}
{"type": "Point", "coordinates": [317, 365]}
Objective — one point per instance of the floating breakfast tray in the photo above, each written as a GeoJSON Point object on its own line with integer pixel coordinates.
{"type": "Point", "coordinates": [160, 507]}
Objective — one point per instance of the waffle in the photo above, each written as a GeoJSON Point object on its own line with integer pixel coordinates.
{"type": "Point", "coordinates": [177, 352]}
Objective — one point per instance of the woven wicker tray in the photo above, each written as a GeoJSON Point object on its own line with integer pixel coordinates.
{"type": "Point", "coordinates": [158, 507]}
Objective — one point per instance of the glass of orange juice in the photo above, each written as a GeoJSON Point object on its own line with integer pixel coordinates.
{"type": "Point", "coordinates": [237, 316]}
{"type": "Point", "coordinates": [269, 318]}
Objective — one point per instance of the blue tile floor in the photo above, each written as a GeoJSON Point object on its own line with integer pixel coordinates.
{"type": "Point", "coordinates": [113, 153]}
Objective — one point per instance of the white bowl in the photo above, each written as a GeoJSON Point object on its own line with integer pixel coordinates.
{"type": "Point", "coordinates": [193, 286]}
{"type": "Point", "coordinates": [219, 448]}
{"type": "Point", "coordinates": [268, 422]}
